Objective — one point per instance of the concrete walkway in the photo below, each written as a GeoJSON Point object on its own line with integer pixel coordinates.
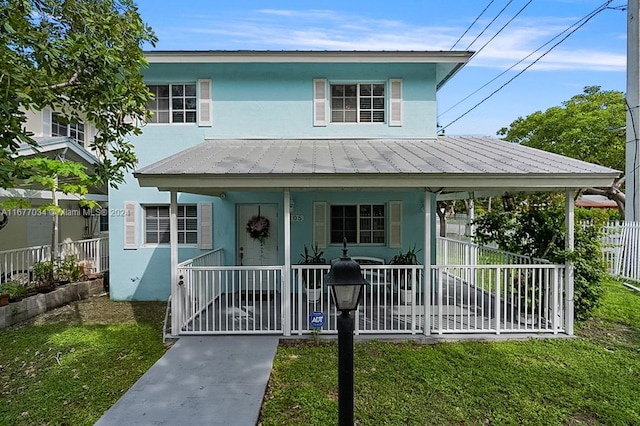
{"type": "Point", "coordinates": [208, 380]}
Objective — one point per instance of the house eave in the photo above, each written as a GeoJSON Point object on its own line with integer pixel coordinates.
{"type": "Point", "coordinates": [212, 185]}
{"type": "Point", "coordinates": [309, 56]}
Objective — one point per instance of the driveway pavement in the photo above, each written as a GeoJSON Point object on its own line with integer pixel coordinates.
{"type": "Point", "coordinates": [208, 380]}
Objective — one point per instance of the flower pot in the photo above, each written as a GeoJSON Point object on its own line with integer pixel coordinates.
{"type": "Point", "coordinates": [314, 294]}
{"type": "Point", "coordinates": [4, 299]}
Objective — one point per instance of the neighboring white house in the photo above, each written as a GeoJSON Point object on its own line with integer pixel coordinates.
{"type": "Point", "coordinates": [28, 227]}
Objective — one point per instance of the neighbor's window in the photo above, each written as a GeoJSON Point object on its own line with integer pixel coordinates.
{"type": "Point", "coordinates": [173, 103]}
{"type": "Point", "coordinates": [359, 224]}
{"type": "Point", "coordinates": [60, 126]}
{"type": "Point", "coordinates": [357, 103]}
{"type": "Point", "coordinates": [156, 224]}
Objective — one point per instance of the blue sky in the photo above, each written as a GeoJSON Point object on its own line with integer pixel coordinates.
{"type": "Point", "coordinates": [595, 54]}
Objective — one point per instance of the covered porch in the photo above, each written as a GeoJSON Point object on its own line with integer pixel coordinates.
{"type": "Point", "coordinates": [453, 290]}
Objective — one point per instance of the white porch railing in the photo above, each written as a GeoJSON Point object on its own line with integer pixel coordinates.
{"type": "Point", "coordinates": [462, 299]}
{"type": "Point", "coordinates": [457, 252]}
{"type": "Point", "coordinates": [92, 253]}
{"type": "Point", "coordinates": [498, 298]}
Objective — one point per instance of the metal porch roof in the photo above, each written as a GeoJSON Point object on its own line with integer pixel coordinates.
{"type": "Point", "coordinates": [450, 163]}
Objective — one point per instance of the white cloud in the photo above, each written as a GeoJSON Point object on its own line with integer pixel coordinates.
{"type": "Point", "coordinates": [317, 29]}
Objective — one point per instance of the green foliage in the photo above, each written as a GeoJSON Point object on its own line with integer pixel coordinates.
{"type": "Point", "coordinates": [410, 257]}
{"type": "Point", "coordinates": [68, 269]}
{"type": "Point", "coordinates": [313, 257]}
{"type": "Point", "coordinates": [82, 58]}
{"type": "Point", "coordinates": [536, 228]}
{"type": "Point", "coordinates": [13, 289]}
{"type": "Point", "coordinates": [60, 270]}
{"type": "Point", "coordinates": [590, 127]}
{"type": "Point", "coordinates": [43, 272]}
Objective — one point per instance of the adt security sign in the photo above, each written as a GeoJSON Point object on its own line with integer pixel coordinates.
{"type": "Point", "coordinates": [317, 319]}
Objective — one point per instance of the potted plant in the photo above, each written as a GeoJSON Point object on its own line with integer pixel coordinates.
{"type": "Point", "coordinates": [14, 290]}
{"type": "Point", "coordinates": [4, 297]}
{"type": "Point", "coordinates": [402, 277]}
{"type": "Point", "coordinates": [310, 277]}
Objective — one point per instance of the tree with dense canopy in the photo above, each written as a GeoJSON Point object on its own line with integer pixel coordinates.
{"type": "Point", "coordinates": [83, 59]}
{"type": "Point", "coordinates": [589, 126]}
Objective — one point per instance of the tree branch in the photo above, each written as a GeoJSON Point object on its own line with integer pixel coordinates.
{"type": "Point", "coordinates": [71, 81]}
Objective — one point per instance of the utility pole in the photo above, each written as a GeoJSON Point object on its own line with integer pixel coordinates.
{"type": "Point", "coordinates": [632, 156]}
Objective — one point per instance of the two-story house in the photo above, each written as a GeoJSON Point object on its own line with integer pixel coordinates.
{"type": "Point", "coordinates": [251, 156]}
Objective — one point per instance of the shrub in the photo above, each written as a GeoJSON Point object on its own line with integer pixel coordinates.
{"type": "Point", "coordinates": [535, 228]}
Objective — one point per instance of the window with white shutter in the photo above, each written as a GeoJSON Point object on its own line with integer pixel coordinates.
{"type": "Point", "coordinates": [206, 226]}
{"type": "Point", "coordinates": [46, 122]}
{"type": "Point", "coordinates": [130, 225]}
{"type": "Point", "coordinates": [204, 104]}
{"type": "Point", "coordinates": [395, 102]}
{"type": "Point", "coordinates": [320, 102]}
{"type": "Point", "coordinates": [320, 224]}
{"type": "Point", "coordinates": [395, 224]}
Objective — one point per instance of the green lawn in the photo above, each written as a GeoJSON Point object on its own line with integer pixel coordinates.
{"type": "Point", "coordinates": [70, 367]}
{"type": "Point", "coordinates": [593, 379]}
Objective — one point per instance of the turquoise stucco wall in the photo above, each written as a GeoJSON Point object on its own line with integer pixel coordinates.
{"type": "Point", "coordinates": [262, 101]}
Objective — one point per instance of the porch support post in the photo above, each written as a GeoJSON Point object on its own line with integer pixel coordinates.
{"type": "Point", "coordinates": [473, 249]}
{"type": "Point", "coordinates": [286, 273]}
{"type": "Point", "coordinates": [173, 240]}
{"type": "Point", "coordinates": [428, 245]}
{"type": "Point", "coordinates": [568, 266]}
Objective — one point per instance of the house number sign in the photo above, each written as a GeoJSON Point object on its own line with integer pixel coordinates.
{"type": "Point", "coordinates": [297, 217]}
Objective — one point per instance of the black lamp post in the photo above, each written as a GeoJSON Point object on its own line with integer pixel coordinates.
{"type": "Point", "coordinates": [346, 283]}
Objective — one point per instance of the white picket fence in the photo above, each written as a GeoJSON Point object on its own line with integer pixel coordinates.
{"type": "Point", "coordinates": [621, 249]}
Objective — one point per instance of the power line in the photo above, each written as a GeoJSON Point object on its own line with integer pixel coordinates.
{"type": "Point", "coordinates": [519, 62]}
{"type": "Point", "coordinates": [500, 30]}
{"type": "Point", "coordinates": [472, 24]}
{"type": "Point", "coordinates": [586, 19]}
{"type": "Point", "coordinates": [489, 24]}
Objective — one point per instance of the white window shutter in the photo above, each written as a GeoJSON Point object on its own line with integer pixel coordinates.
{"type": "Point", "coordinates": [206, 226]}
{"type": "Point", "coordinates": [395, 102]}
{"type": "Point", "coordinates": [395, 224]}
{"type": "Point", "coordinates": [130, 225]}
{"type": "Point", "coordinates": [204, 103]}
{"type": "Point", "coordinates": [46, 122]}
{"type": "Point", "coordinates": [320, 102]}
{"type": "Point", "coordinates": [320, 224]}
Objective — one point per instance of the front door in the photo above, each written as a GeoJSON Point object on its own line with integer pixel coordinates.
{"type": "Point", "coordinates": [255, 251]}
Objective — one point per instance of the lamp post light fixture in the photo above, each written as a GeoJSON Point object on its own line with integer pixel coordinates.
{"type": "Point", "coordinates": [346, 283]}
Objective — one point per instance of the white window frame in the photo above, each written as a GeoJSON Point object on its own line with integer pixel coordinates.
{"type": "Point", "coordinates": [71, 129]}
{"type": "Point", "coordinates": [358, 103]}
{"type": "Point", "coordinates": [181, 217]}
{"type": "Point", "coordinates": [153, 104]}
{"type": "Point", "coordinates": [358, 241]}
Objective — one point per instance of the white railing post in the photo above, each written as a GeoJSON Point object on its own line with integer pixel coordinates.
{"type": "Point", "coordinates": [286, 271]}
{"type": "Point", "coordinates": [569, 271]}
{"type": "Point", "coordinates": [497, 297]}
{"type": "Point", "coordinates": [176, 312]}
{"type": "Point", "coordinates": [555, 301]}
{"type": "Point", "coordinates": [428, 248]}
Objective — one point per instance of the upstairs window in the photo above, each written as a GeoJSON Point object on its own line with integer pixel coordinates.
{"type": "Point", "coordinates": [357, 103]}
{"type": "Point", "coordinates": [60, 126]}
{"type": "Point", "coordinates": [359, 224]}
{"type": "Point", "coordinates": [173, 103]}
